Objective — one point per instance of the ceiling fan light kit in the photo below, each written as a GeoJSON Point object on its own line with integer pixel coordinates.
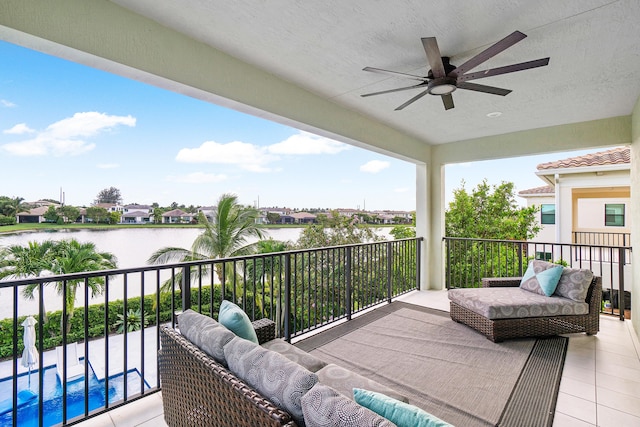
{"type": "Point", "coordinates": [444, 78]}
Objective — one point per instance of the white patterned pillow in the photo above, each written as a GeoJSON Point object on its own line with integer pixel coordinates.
{"type": "Point", "coordinates": [205, 333]}
{"type": "Point", "coordinates": [275, 377]}
{"type": "Point", "coordinates": [574, 283]}
{"type": "Point", "coordinates": [322, 406]}
{"type": "Point", "coordinates": [541, 277]}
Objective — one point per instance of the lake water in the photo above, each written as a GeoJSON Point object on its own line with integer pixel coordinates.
{"type": "Point", "coordinates": [131, 246]}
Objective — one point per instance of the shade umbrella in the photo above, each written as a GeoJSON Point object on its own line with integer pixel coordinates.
{"type": "Point", "coordinates": [30, 353]}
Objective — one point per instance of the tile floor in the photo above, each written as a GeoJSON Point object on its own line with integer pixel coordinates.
{"type": "Point", "coordinates": [600, 382]}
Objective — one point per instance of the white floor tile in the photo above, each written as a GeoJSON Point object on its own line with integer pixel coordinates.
{"type": "Point", "coordinates": [608, 417]}
{"type": "Point", "coordinates": [577, 408]}
{"type": "Point", "coordinates": [563, 420]}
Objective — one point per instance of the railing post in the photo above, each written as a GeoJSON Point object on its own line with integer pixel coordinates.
{"type": "Point", "coordinates": [447, 254]}
{"type": "Point", "coordinates": [287, 298]}
{"type": "Point", "coordinates": [186, 288]}
{"type": "Point", "coordinates": [621, 262]}
{"type": "Point", "coordinates": [418, 262]}
{"type": "Point", "coordinates": [348, 283]}
{"type": "Point", "coordinates": [389, 268]}
{"type": "Point", "coordinates": [520, 259]}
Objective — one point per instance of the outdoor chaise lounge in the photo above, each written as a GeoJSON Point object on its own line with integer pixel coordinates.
{"type": "Point", "coordinates": [75, 368]}
{"type": "Point", "coordinates": [513, 307]}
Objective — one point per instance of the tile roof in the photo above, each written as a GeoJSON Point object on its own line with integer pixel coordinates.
{"type": "Point", "coordinates": [547, 189]}
{"type": "Point", "coordinates": [616, 156]}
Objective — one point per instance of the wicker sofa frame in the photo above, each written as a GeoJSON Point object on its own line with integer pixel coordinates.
{"type": "Point", "coordinates": [197, 391]}
{"type": "Point", "coordinates": [500, 329]}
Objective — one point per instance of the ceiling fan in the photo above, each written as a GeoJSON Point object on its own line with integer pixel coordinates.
{"type": "Point", "coordinates": [444, 78]}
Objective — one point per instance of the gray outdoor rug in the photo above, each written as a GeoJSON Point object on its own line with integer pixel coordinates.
{"type": "Point", "coordinates": [447, 368]}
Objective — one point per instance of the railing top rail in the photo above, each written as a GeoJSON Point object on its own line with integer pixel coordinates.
{"type": "Point", "coordinates": [525, 242]}
{"type": "Point", "coordinates": [4, 283]}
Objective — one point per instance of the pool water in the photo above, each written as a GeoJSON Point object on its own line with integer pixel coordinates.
{"type": "Point", "coordinates": [52, 395]}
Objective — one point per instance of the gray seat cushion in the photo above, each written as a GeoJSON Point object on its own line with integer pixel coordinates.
{"type": "Point", "coordinates": [344, 381]}
{"type": "Point", "coordinates": [275, 377]}
{"type": "Point", "coordinates": [206, 334]}
{"type": "Point", "coordinates": [514, 303]}
{"type": "Point", "coordinates": [294, 354]}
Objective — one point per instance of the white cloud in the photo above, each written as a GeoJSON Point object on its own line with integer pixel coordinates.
{"type": "Point", "coordinates": [374, 166]}
{"type": "Point", "coordinates": [19, 129]}
{"type": "Point", "coordinates": [65, 137]}
{"type": "Point", "coordinates": [6, 103]}
{"type": "Point", "coordinates": [255, 158]}
{"type": "Point", "coordinates": [248, 156]}
{"type": "Point", "coordinates": [198, 178]}
{"type": "Point", "coordinates": [108, 166]}
{"type": "Point", "coordinates": [307, 143]}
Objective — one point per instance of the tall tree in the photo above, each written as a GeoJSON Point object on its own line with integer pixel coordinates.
{"type": "Point", "coordinates": [489, 212]}
{"type": "Point", "coordinates": [109, 195]}
{"type": "Point", "coordinates": [63, 257]}
{"type": "Point", "coordinates": [225, 236]}
{"type": "Point", "coordinates": [98, 214]}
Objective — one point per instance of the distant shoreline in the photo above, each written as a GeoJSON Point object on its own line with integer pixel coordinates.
{"type": "Point", "coordinates": [28, 228]}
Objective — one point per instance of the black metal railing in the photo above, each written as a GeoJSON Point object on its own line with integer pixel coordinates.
{"type": "Point", "coordinates": [117, 333]}
{"type": "Point", "coordinates": [469, 260]}
{"type": "Point", "coordinates": [601, 238]}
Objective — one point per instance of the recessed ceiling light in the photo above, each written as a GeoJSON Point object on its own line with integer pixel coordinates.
{"type": "Point", "coordinates": [494, 114]}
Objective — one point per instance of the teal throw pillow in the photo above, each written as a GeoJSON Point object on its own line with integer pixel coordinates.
{"type": "Point", "coordinates": [541, 277]}
{"type": "Point", "coordinates": [236, 320]}
{"type": "Point", "coordinates": [400, 413]}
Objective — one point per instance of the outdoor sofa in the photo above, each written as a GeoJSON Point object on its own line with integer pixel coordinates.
{"type": "Point", "coordinates": [211, 377]}
{"type": "Point", "coordinates": [514, 307]}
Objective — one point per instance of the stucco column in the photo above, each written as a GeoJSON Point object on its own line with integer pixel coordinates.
{"type": "Point", "coordinates": [430, 222]}
{"type": "Point", "coordinates": [635, 217]}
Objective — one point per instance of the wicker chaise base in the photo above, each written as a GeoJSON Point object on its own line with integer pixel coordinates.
{"type": "Point", "coordinates": [500, 329]}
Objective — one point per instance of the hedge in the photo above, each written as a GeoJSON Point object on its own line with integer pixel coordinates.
{"type": "Point", "coordinates": [52, 336]}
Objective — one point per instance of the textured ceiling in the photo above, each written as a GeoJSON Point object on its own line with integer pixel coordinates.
{"type": "Point", "coordinates": [322, 46]}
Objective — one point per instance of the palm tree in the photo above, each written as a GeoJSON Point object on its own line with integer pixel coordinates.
{"type": "Point", "coordinates": [225, 236]}
{"type": "Point", "coordinates": [17, 262]}
{"type": "Point", "coordinates": [75, 257]}
{"type": "Point", "coordinates": [63, 257]}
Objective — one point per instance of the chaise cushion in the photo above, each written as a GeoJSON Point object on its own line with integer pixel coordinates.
{"type": "Point", "coordinates": [344, 381]}
{"type": "Point", "coordinates": [574, 283]}
{"type": "Point", "coordinates": [541, 277]}
{"type": "Point", "coordinates": [275, 377]}
{"type": "Point", "coordinates": [205, 333]}
{"type": "Point", "coordinates": [294, 354]}
{"type": "Point", "coordinates": [322, 406]}
{"type": "Point", "coordinates": [237, 321]}
{"type": "Point", "coordinates": [514, 303]}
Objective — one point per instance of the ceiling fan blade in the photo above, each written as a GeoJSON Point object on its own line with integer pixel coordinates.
{"type": "Point", "coordinates": [394, 73]}
{"type": "Point", "coordinates": [412, 100]}
{"type": "Point", "coordinates": [504, 70]}
{"type": "Point", "coordinates": [447, 100]}
{"type": "Point", "coordinates": [395, 90]}
{"type": "Point", "coordinates": [488, 53]}
{"type": "Point", "coordinates": [483, 88]}
{"type": "Point", "coordinates": [430, 45]}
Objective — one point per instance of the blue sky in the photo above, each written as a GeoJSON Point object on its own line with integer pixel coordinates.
{"type": "Point", "coordinates": [65, 125]}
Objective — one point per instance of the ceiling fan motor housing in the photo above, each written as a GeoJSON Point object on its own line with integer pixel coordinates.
{"type": "Point", "coordinates": [442, 86]}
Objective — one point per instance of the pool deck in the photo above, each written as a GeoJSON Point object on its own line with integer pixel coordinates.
{"type": "Point", "coordinates": [600, 382]}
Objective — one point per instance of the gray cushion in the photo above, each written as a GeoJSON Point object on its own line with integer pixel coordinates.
{"type": "Point", "coordinates": [275, 377]}
{"type": "Point", "coordinates": [344, 381]}
{"type": "Point", "coordinates": [514, 303]}
{"type": "Point", "coordinates": [207, 334]}
{"type": "Point", "coordinates": [574, 283]}
{"type": "Point", "coordinates": [294, 354]}
{"type": "Point", "coordinates": [322, 406]}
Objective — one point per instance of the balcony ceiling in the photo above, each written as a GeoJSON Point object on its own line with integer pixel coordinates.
{"type": "Point", "coordinates": [322, 46]}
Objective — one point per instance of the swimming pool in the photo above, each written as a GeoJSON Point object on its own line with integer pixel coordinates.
{"type": "Point", "coordinates": [52, 395]}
